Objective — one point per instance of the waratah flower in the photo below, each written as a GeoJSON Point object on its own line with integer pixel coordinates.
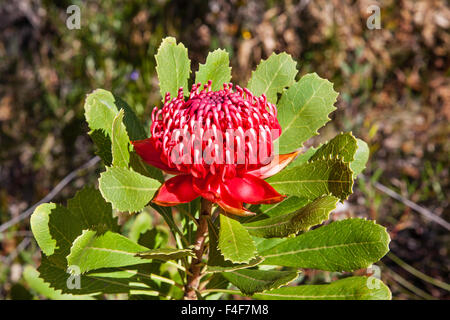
{"type": "Point", "coordinates": [220, 146]}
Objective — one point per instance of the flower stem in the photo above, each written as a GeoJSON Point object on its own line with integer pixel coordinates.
{"type": "Point", "coordinates": [195, 268]}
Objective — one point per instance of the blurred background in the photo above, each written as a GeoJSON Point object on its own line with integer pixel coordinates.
{"type": "Point", "coordinates": [394, 86]}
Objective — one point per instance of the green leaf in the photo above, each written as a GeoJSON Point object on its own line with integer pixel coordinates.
{"type": "Point", "coordinates": [216, 281]}
{"type": "Point", "coordinates": [91, 251]}
{"type": "Point", "coordinates": [288, 205]}
{"type": "Point", "coordinates": [165, 254]}
{"type": "Point", "coordinates": [250, 281]}
{"type": "Point", "coordinates": [310, 215]}
{"type": "Point", "coordinates": [190, 208]}
{"type": "Point", "coordinates": [263, 244]}
{"type": "Point", "coordinates": [303, 109]}
{"type": "Point", "coordinates": [353, 288]}
{"type": "Point", "coordinates": [149, 276]}
{"type": "Point", "coordinates": [303, 157]}
{"type": "Point", "coordinates": [272, 76]}
{"type": "Point", "coordinates": [40, 227]}
{"type": "Point", "coordinates": [166, 213]}
{"type": "Point", "coordinates": [134, 127]}
{"type": "Point", "coordinates": [344, 245]}
{"type": "Point", "coordinates": [218, 264]}
{"type": "Point", "coordinates": [217, 68]}
{"type": "Point", "coordinates": [55, 227]}
{"type": "Point", "coordinates": [361, 157]}
{"type": "Point", "coordinates": [86, 210]}
{"type": "Point", "coordinates": [141, 167]}
{"type": "Point", "coordinates": [31, 276]}
{"type": "Point", "coordinates": [89, 207]}
{"type": "Point", "coordinates": [141, 224]}
{"type": "Point", "coordinates": [314, 179]}
{"type": "Point", "coordinates": [154, 238]}
{"type": "Point", "coordinates": [235, 243]}
{"type": "Point", "coordinates": [120, 142]}
{"type": "Point", "coordinates": [342, 146]}
{"type": "Point", "coordinates": [103, 144]}
{"type": "Point", "coordinates": [216, 261]}
{"type": "Point", "coordinates": [188, 213]}
{"type": "Point", "coordinates": [100, 110]}
{"type": "Point", "coordinates": [57, 276]}
{"type": "Point", "coordinates": [127, 190]}
{"type": "Point", "coordinates": [173, 67]}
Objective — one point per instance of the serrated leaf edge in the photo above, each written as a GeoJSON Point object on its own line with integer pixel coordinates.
{"type": "Point", "coordinates": [243, 261]}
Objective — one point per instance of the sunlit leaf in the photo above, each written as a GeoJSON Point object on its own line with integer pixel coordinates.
{"type": "Point", "coordinates": [100, 110]}
{"type": "Point", "coordinates": [235, 243]}
{"type": "Point", "coordinates": [310, 215]}
{"type": "Point", "coordinates": [216, 261]}
{"type": "Point", "coordinates": [127, 190]}
{"type": "Point", "coordinates": [173, 67]}
{"type": "Point", "coordinates": [314, 179]}
{"type": "Point", "coordinates": [120, 142]}
{"type": "Point", "coordinates": [141, 224]}
{"type": "Point", "coordinates": [344, 245]}
{"type": "Point", "coordinates": [342, 146]}
{"type": "Point", "coordinates": [303, 109]}
{"type": "Point", "coordinates": [217, 68]}
{"type": "Point", "coordinates": [55, 227]}
{"type": "Point", "coordinates": [58, 277]}
{"type": "Point", "coordinates": [361, 157]}
{"type": "Point", "coordinates": [288, 205]}
{"type": "Point", "coordinates": [353, 288]}
{"type": "Point", "coordinates": [51, 236]}
{"type": "Point", "coordinates": [135, 129]}
{"type": "Point", "coordinates": [92, 210]}
{"type": "Point", "coordinates": [272, 76]}
{"type": "Point", "coordinates": [91, 251]}
{"type": "Point", "coordinates": [31, 276]}
{"type": "Point", "coordinates": [143, 168]}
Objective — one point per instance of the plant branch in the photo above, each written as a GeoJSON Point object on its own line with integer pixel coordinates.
{"type": "Point", "coordinates": [193, 280]}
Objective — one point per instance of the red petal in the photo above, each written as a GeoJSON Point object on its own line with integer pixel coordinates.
{"type": "Point", "coordinates": [231, 205]}
{"type": "Point", "coordinates": [176, 190]}
{"type": "Point", "coordinates": [213, 190]}
{"type": "Point", "coordinates": [237, 210]}
{"type": "Point", "coordinates": [209, 188]}
{"type": "Point", "coordinates": [250, 189]}
{"type": "Point", "coordinates": [146, 150]}
{"type": "Point", "coordinates": [276, 165]}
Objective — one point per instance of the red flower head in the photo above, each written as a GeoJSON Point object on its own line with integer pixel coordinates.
{"type": "Point", "coordinates": [219, 144]}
